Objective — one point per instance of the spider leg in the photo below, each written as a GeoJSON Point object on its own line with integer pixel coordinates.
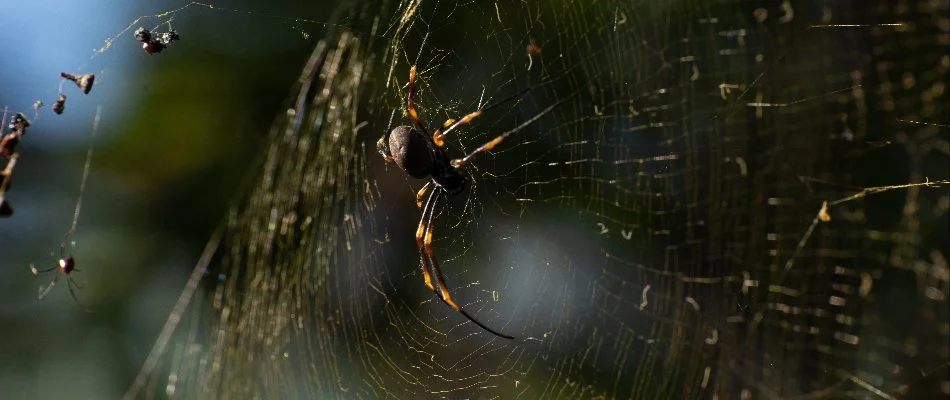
{"type": "Point", "coordinates": [40, 271]}
{"type": "Point", "coordinates": [73, 281]}
{"type": "Point", "coordinates": [460, 162]}
{"type": "Point", "coordinates": [420, 232]}
{"type": "Point", "coordinates": [383, 144]}
{"type": "Point", "coordinates": [451, 125]}
{"type": "Point", "coordinates": [427, 245]}
{"type": "Point", "coordinates": [44, 292]}
{"type": "Point", "coordinates": [412, 108]}
{"type": "Point", "coordinates": [443, 290]}
{"type": "Point", "coordinates": [422, 192]}
{"type": "Point", "coordinates": [70, 283]}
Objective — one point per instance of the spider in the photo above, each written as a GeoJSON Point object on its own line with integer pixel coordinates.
{"type": "Point", "coordinates": [422, 156]}
{"type": "Point", "coordinates": [66, 266]}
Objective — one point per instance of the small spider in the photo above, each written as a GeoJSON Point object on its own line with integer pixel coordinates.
{"type": "Point", "coordinates": [66, 263]}
{"type": "Point", "coordinates": [66, 266]}
{"type": "Point", "coordinates": [423, 156]}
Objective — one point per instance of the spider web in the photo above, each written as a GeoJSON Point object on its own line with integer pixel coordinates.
{"type": "Point", "coordinates": [696, 199]}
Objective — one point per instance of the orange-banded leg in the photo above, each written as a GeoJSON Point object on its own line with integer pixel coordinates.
{"type": "Point", "coordinates": [427, 245]}
{"type": "Point", "coordinates": [422, 192]}
{"type": "Point", "coordinates": [412, 107]}
{"type": "Point", "coordinates": [420, 234]}
{"type": "Point", "coordinates": [382, 145]}
{"type": "Point", "coordinates": [443, 291]}
{"type": "Point", "coordinates": [451, 125]}
{"type": "Point", "coordinates": [460, 162]}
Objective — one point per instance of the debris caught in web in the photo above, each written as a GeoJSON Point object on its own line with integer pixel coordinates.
{"type": "Point", "coordinates": [37, 105]}
{"type": "Point", "coordinates": [19, 123]}
{"type": "Point", "coordinates": [152, 44]}
{"type": "Point", "coordinates": [60, 104]}
{"type": "Point", "coordinates": [84, 81]}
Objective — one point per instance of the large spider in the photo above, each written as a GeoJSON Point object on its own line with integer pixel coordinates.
{"type": "Point", "coordinates": [423, 156]}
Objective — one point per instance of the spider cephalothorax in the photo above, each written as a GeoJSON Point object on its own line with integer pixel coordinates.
{"type": "Point", "coordinates": [423, 156]}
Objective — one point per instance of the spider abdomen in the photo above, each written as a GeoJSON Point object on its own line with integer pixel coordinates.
{"type": "Point", "coordinates": [410, 151]}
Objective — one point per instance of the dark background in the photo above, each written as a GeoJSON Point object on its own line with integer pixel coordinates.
{"type": "Point", "coordinates": [179, 130]}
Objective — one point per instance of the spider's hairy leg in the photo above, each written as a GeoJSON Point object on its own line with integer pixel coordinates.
{"type": "Point", "coordinates": [412, 107]}
{"type": "Point", "coordinates": [382, 146]}
{"type": "Point", "coordinates": [383, 150]}
{"type": "Point", "coordinates": [420, 232]}
{"type": "Point", "coordinates": [422, 192]}
{"type": "Point", "coordinates": [40, 271]}
{"type": "Point", "coordinates": [70, 283]}
{"type": "Point", "coordinates": [427, 244]}
{"type": "Point", "coordinates": [443, 292]}
{"type": "Point", "coordinates": [44, 291]}
{"type": "Point", "coordinates": [451, 125]}
{"type": "Point", "coordinates": [460, 162]}
{"type": "Point", "coordinates": [438, 135]}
